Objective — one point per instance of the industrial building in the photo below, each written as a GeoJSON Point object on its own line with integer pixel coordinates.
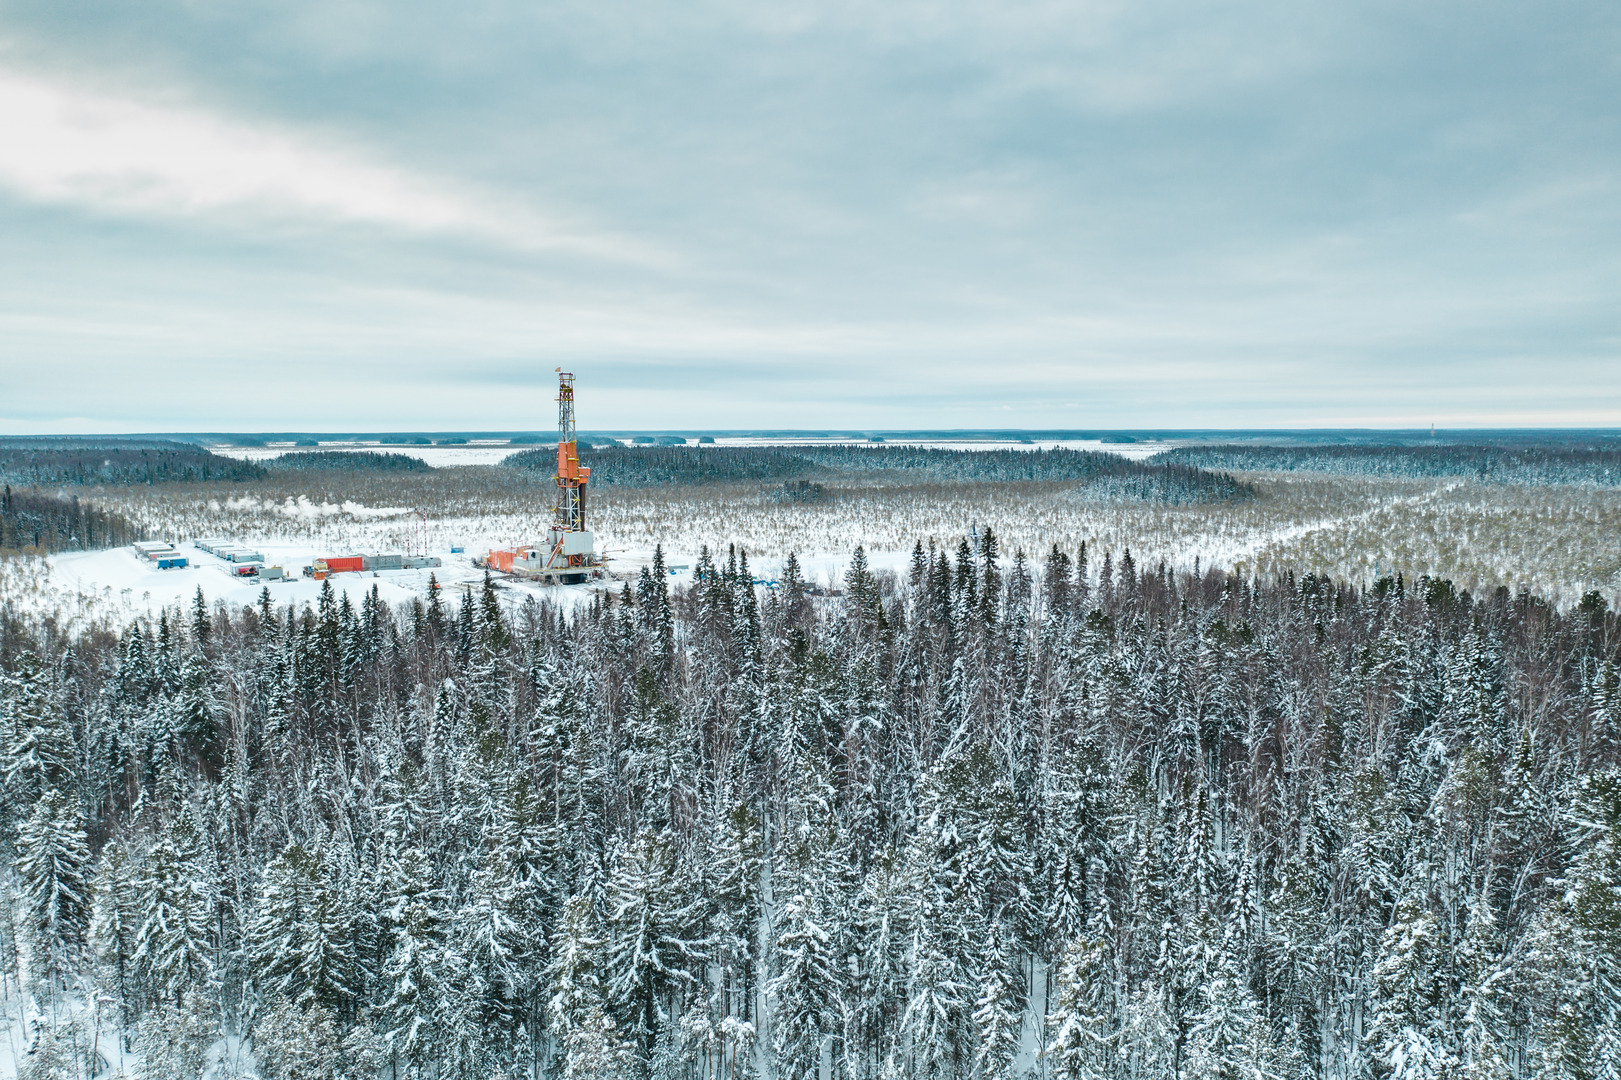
{"type": "Point", "coordinates": [161, 554]}
{"type": "Point", "coordinates": [230, 552]}
{"type": "Point", "coordinates": [354, 564]}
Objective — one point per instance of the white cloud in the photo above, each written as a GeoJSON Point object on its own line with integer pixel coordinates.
{"type": "Point", "coordinates": [61, 144]}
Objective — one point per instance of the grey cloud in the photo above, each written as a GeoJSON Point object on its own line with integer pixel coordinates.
{"type": "Point", "coordinates": [1169, 214]}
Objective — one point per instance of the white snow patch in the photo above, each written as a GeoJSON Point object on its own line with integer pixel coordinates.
{"type": "Point", "coordinates": [301, 508]}
{"type": "Point", "coordinates": [440, 457]}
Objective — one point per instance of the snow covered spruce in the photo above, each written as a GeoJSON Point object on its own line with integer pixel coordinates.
{"type": "Point", "coordinates": [982, 821]}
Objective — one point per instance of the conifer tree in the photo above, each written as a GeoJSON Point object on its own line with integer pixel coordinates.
{"type": "Point", "coordinates": [202, 627]}
{"type": "Point", "coordinates": [412, 976]}
{"type": "Point", "coordinates": [174, 902]}
{"type": "Point", "coordinates": [290, 1043]}
{"type": "Point", "coordinates": [173, 1039]}
{"type": "Point", "coordinates": [739, 860]}
{"type": "Point", "coordinates": [299, 943]}
{"type": "Point", "coordinates": [588, 1040]}
{"type": "Point", "coordinates": [39, 750]}
{"type": "Point", "coordinates": [53, 867]}
{"type": "Point", "coordinates": [999, 1014]}
{"type": "Point", "coordinates": [115, 923]}
{"type": "Point", "coordinates": [1082, 1032]}
{"type": "Point", "coordinates": [651, 948]}
{"type": "Point", "coordinates": [1407, 1029]}
{"type": "Point", "coordinates": [804, 992]}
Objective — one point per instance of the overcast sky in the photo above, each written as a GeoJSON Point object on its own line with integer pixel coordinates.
{"type": "Point", "coordinates": [225, 215]}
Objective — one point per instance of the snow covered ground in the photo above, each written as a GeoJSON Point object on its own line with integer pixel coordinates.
{"type": "Point", "coordinates": [440, 457]}
{"type": "Point", "coordinates": [1556, 541]}
{"type": "Point", "coordinates": [1135, 451]}
{"type": "Point", "coordinates": [491, 452]}
{"type": "Point", "coordinates": [116, 585]}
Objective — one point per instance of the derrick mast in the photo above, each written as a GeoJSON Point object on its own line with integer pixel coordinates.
{"type": "Point", "coordinates": [571, 478]}
{"type": "Point", "coordinates": [568, 554]}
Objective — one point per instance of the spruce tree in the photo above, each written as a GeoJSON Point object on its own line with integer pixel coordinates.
{"type": "Point", "coordinates": [589, 1044]}
{"type": "Point", "coordinates": [174, 902]}
{"type": "Point", "coordinates": [299, 942]}
{"type": "Point", "coordinates": [53, 867]}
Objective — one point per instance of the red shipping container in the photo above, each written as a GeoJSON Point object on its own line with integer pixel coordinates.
{"type": "Point", "coordinates": [502, 560]}
{"type": "Point", "coordinates": [340, 564]}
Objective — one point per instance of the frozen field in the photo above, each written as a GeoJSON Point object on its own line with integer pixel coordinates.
{"type": "Point", "coordinates": [440, 457]}
{"type": "Point", "coordinates": [114, 585]}
{"type": "Point", "coordinates": [1558, 541]}
{"type": "Point", "coordinates": [493, 452]}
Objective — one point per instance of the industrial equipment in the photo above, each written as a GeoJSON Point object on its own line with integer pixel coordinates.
{"type": "Point", "coordinates": [353, 564]}
{"type": "Point", "coordinates": [568, 554]}
{"type": "Point", "coordinates": [161, 554]}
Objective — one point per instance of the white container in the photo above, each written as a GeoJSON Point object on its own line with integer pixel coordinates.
{"type": "Point", "coordinates": [575, 543]}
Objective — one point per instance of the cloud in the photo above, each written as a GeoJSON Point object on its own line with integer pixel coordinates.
{"type": "Point", "coordinates": [61, 144]}
{"type": "Point", "coordinates": [1166, 212]}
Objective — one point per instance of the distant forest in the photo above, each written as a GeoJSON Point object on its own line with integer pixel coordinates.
{"type": "Point", "coordinates": [986, 818]}
{"type": "Point", "coordinates": [1492, 464]}
{"type": "Point", "coordinates": [346, 461]}
{"type": "Point", "coordinates": [1114, 476]}
{"type": "Point", "coordinates": [54, 465]}
{"type": "Point", "coordinates": [35, 522]}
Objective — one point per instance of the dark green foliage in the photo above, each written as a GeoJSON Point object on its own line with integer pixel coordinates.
{"type": "Point", "coordinates": [1196, 825]}
{"type": "Point", "coordinates": [1105, 475]}
{"type": "Point", "coordinates": [636, 467]}
{"type": "Point", "coordinates": [348, 461]}
{"type": "Point", "coordinates": [32, 521]}
{"type": "Point", "coordinates": [800, 491]}
{"type": "Point", "coordinates": [1487, 463]}
{"type": "Point", "coordinates": [79, 464]}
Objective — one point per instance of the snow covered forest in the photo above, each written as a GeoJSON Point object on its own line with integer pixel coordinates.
{"type": "Point", "coordinates": [1534, 463]}
{"type": "Point", "coordinates": [1557, 540]}
{"type": "Point", "coordinates": [1099, 474]}
{"type": "Point", "coordinates": [994, 817]}
{"type": "Point", "coordinates": [30, 521]}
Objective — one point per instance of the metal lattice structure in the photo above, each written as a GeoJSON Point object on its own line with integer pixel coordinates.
{"type": "Point", "coordinates": [569, 512]}
{"type": "Point", "coordinates": [568, 554]}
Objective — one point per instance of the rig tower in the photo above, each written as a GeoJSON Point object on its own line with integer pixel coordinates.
{"type": "Point", "coordinates": [571, 479]}
{"type": "Point", "coordinates": [568, 555]}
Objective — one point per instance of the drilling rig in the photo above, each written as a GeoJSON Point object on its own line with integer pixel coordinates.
{"type": "Point", "coordinates": [567, 556]}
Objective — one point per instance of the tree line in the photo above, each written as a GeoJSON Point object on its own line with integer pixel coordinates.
{"type": "Point", "coordinates": [1110, 474]}
{"type": "Point", "coordinates": [982, 819]}
{"type": "Point", "coordinates": [1488, 463]}
{"type": "Point", "coordinates": [347, 461]}
{"type": "Point", "coordinates": [53, 463]}
{"type": "Point", "coordinates": [34, 522]}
